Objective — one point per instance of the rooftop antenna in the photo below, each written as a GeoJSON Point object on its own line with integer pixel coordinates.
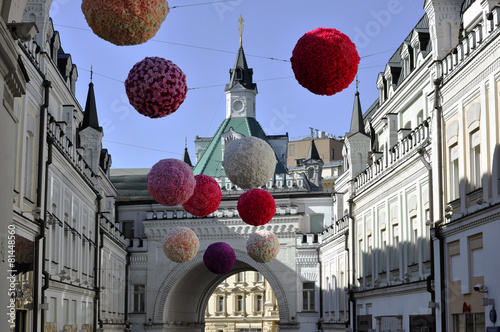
{"type": "Point", "coordinates": [91, 72]}
{"type": "Point", "coordinates": [240, 29]}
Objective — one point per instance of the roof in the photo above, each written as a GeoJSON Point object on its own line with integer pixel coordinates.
{"type": "Point", "coordinates": [210, 162]}
{"type": "Point", "coordinates": [313, 152]}
{"type": "Point", "coordinates": [185, 157]}
{"type": "Point", "coordinates": [90, 114]}
{"type": "Point", "coordinates": [131, 183]}
{"type": "Point", "coordinates": [241, 74]}
{"type": "Point", "coordinates": [357, 124]}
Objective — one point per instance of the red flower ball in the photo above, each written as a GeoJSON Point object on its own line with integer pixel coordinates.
{"type": "Point", "coordinates": [219, 258]}
{"type": "Point", "coordinates": [325, 61]}
{"type": "Point", "coordinates": [125, 22]}
{"type": "Point", "coordinates": [206, 197]}
{"type": "Point", "coordinates": [256, 207]}
{"type": "Point", "coordinates": [156, 87]}
{"type": "Point", "coordinates": [171, 182]}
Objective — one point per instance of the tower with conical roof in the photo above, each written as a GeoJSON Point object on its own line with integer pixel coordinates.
{"type": "Point", "coordinates": [241, 90]}
{"type": "Point", "coordinates": [90, 133]}
{"type": "Point", "coordinates": [240, 120]}
{"type": "Point", "coordinates": [357, 143]}
{"type": "Point", "coordinates": [314, 166]}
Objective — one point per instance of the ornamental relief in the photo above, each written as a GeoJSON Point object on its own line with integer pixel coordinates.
{"type": "Point", "coordinates": [448, 18]}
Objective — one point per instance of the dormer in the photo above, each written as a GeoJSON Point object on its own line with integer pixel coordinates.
{"type": "Point", "coordinates": [228, 137]}
{"type": "Point", "coordinates": [419, 41]}
{"type": "Point", "coordinates": [55, 45]}
{"type": "Point", "coordinates": [382, 88]}
{"type": "Point", "coordinates": [72, 78]}
{"type": "Point", "coordinates": [407, 58]}
{"type": "Point", "coordinates": [391, 75]}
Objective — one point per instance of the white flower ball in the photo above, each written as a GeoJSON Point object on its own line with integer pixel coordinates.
{"type": "Point", "coordinates": [249, 162]}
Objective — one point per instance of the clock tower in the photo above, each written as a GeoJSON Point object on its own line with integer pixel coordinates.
{"type": "Point", "coordinates": [241, 91]}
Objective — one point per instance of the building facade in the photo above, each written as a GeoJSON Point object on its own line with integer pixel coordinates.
{"type": "Point", "coordinates": [244, 302]}
{"type": "Point", "coordinates": [69, 258]}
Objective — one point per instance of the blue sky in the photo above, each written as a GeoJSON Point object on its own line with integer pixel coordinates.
{"type": "Point", "coordinates": [203, 40]}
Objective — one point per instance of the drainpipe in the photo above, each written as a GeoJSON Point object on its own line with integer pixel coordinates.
{"type": "Point", "coordinates": [320, 291]}
{"type": "Point", "coordinates": [431, 276]}
{"type": "Point", "coordinates": [41, 212]}
{"type": "Point", "coordinates": [346, 247]}
{"type": "Point", "coordinates": [97, 289]}
{"type": "Point", "coordinates": [439, 221]}
{"type": "Point", "coordinates": [127, 266]}
{"type": "Point", "coordinates": [352, 254]}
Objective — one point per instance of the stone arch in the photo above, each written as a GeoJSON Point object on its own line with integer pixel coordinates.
{"type": "Point", "coordinates": [191, 270]}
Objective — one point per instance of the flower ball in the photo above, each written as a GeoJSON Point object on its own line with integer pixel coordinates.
{"type": "Point", "coordinates": [125, 22]}
{"type": "Point", "coordinates": [181, 244]}
{"type": "Point", "coordinates": [256, 207]}
{"type": "Point", "coordinates": [219, 258]}
{"type": "Point", "coordinates": [156, 87]}
{"type": "Point", "coordinates": [171, 182]}
{"type": "Point", "coordinates": [206, 197]}
{"type": "Point", "coordinates": [249, 162]}
{"type": "Point", "coordinates": [325, 61]}
{"type": "Point", "coordinates": [263, 246]}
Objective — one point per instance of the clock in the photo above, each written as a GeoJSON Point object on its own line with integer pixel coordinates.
{"type": "Point", "coordinates": [238, 106]}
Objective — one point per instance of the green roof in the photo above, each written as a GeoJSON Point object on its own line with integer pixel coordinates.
{"type": "Point", "coordinates": [210, 162]}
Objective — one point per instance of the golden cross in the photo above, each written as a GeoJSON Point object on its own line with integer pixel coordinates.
{"type": "Point", "coordinates": [240, 29]}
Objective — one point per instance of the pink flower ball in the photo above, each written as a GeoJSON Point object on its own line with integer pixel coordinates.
{"type": "Point", "coordinates": [206, 197]}
{"type": "Point", "coordinates": [256, 207]}
{"type": "Point", "coordinates": [263, 246]}
{"type": "Point", "coordinates": [325, 61]}
{"type": "Point", "coordinates": [156, 87]}
{"type": "Point", "coordinates": [125, 22]}
{"type": "Point", "coordinates": [181, 244]}
{"type": "Point", "coordinates": [171, 182]}
{"type": "Point", "coordinates": [219, 258]}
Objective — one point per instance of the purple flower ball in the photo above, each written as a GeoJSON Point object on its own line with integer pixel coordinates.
{"type": "Point", "coordinates": [219, 258]}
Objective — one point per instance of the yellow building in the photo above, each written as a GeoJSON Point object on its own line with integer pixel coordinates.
{"type": "Point", "coordinates": [244, 302]}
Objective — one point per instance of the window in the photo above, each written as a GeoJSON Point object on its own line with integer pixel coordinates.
{"type": "Point", "coordinates": [259, 277]}
{"type": "Point", "coordinates": [414, 242]}
{"type": "Point", "coordinates": [239, 303]}
{"type": "Point", "coordinates": [308, 296]}
{"type": "Point", "coordinates": [472, 322]}
{"type": "Point", "coordinates": [475, 160]}
{"type": "Point", "coordinates": [128, 228]}
{"type": "Point", "coordinates": [220, 303]}
{"type": "Point", "coordinates": [240, 277]}
{"type": "Point", "coordinates": [258, 303]}
{"type": "Point", "coordinates": [333, 155]}
{"type": "Point", "coordinates": [395, 250]}
{"type": "Point", "coordinates": [139, 297]}
{"type": "Point", "coordinates": [28, 167]}
{"type": "Point", "coordinates": [299, 162]}
{"type": "Point", "coordinates": [454, 176]}
{"type": "Point", "coordinates": [369, 256]}
{"type": "Point", "coordinates": [383, 250]}
{"type": "Point", "coordinates": [316, 223]}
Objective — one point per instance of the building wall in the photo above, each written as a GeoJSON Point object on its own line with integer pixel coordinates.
{"type": "Point", "coordinates": [329, 149]}
{"type": "Point", "coordinates": [258, 313]}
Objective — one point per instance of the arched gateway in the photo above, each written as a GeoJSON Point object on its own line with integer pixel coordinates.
{"type": "Point", "coordinates": [182, 298]}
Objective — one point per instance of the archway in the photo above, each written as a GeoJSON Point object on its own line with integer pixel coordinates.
{"type": "Point", "coordinates": [182, 298]}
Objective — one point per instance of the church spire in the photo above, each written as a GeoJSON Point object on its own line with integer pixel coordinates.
{"type": "Point", "coordinates": [90, 115]}
{"type": "Point", "coordinates": [185, 157]}
{"type": "Point", "coordinates": [241, 73]}
{"type": "Point", "coordinates": [357, 124]}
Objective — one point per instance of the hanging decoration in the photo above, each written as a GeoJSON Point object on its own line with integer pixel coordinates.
{"type": "Point", "coordinates": [206, 197]}
{"type": "Point", "coordinates": [171, 182]}
{"type": "Point", "coordinates": [256, 207]}
{"type": "Point", "coordinates": [156, 87]}
{"type": "Point", "coordinates": [125, 22]}
{"type": "Point", "coordinates": [325, 61]}
{"type": "Point", "coordinates": [219, 258]}
{"type": "Point", "coordinates": [263, 246]}
{"type": "Point", "coordinates": [181, 244]}
{"type": "Point", "coordinates": [249, 162]}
